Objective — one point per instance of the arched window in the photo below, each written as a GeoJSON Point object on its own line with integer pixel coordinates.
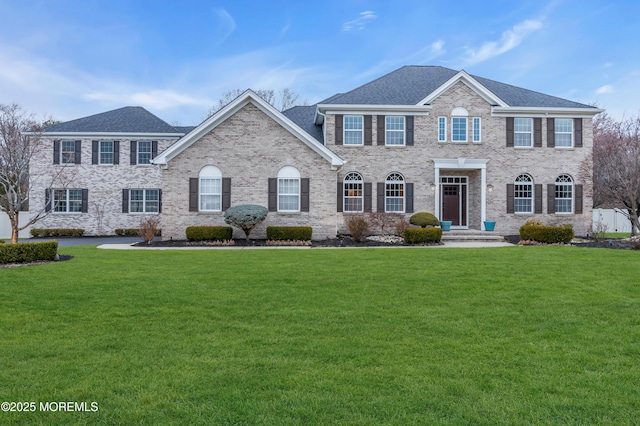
{"type": "Point", "coordinates": [210, 189]}
{"type": "Point", "coordinates": [564, 194]}
{"type": "Point", "coordinates": [394, 193]}
{"type": "Point", "coordinates": [459, 124]}
{"type": "Point", "coordinates": [288, 189]}
{"type": "Point", "coordinates": [523, 194]}
{"type": "Point", "coordinates": [353, 193]}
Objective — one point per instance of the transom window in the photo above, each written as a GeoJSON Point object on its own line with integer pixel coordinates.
{"type": "Point", "coordinates": [144, 201]}
{"type": "Point", "coordinates": [564, 132]}
{"type": "Point", "coordinates": [67, 152]}
{"type": "Point", "coordinates": [394, 193]}
{"type": "Point", "coordinates": [106, 152]}
{"type": "Point", "coordinates": [288, 189]}
{"type": "Point", "coordinates": [394, 128]}
{"type": "Point", "coordinates": [210, 191]}
{"type": "Point", "coordinates": [353, 129]}
{"type": "Point", "coordinates": [67, 200]}
{"type": "Point", "coordinates": [353, 193]}
{"type": "Point", "coordinates": [442, 129]}
{"type": "Point", "coordinates": [523, 194]}
{"type": "Point", "coordinates": [477, 129]}
{"type": "Point", "coordinates": [144, 152]}
{"type": "Point", "coordinates": [564, 194]}
{"type": "Point", "coordinates": [522, 132]}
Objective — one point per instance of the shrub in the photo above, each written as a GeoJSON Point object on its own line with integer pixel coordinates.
{"type": "Point", "coordinates": [209, 233]}
{"type": "Point", "coordinates": [384, 220]}
{"type": "Point", "coordinates": [127, 232]}
{"type": "Point", "coordinates": [547, 234]}
{"type": "Point", "coordinates": [358, 226]}
{"type": "Point", "coordinates": [422, 235]}
{"type": "Point", "coordinates": [424, 219]}
{"type": "Point", "coordinates": [291, 233]}
{"type": "Point", "coordinates": [57, 232]}
{"type": "Point", "coordinates": [149, 227]}
{"type": "Point", "coordinates": [245, 217]}
{"type": "Point", "coordinates": [401, 226]}
{"type": "Point", "coordinates": [28, 252]}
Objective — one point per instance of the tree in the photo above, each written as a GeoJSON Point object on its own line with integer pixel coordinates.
{"type": "Point", "coordinates": [282, 100]}
{"type": "Point", "coordinates": [615, 165]}
{"type": "Point", "coordinates": [245, 217]}
{"type": "Point", "coordinates": [20, 141]}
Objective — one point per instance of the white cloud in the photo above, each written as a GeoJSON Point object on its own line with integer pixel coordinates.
{"type": "Point", "coordinates": [437, 48]}
{"type": "Point", "coordinates": [509, 40]}
{"type": "Point", "coordinates": [227, 24]}
{"type": "Point", "coordinates": [605, 89]}
{"type": "Point", "coordinates": [156, 99]}
{"type": "Point", "coordinates": [358, 24]}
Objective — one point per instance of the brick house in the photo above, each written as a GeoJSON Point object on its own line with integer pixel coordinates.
{"type": "Point", "coordinates": [420, 138]}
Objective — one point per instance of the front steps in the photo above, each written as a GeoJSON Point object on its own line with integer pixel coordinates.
{"type": "Point", "coordinates": [471, 235]}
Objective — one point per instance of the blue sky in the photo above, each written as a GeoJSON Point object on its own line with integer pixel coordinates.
{"type": "Point", "coordinates": [70, 59]}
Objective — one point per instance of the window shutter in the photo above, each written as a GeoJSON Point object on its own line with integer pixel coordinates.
{"type": "Point", "coordinates": [95, 148]}
{"type": "Point", "coordinates": [56, 152]}
{"type": "Point", "coordinates": [509, 132]}
{"type": "Point", "coordinates": [304, 194]}
{"type": "Point", "coordinates": [193, 194]}
{"type": "Point", "coordinates": [368, 138]}
{"type": "Point", "coordinates": [380, 196]}
{"type": "Point", "coordinates": [538, 198]}
{"type": "Point", "coordinates": [47, 199]}
{"type": "Point", "coordinates": [380, 137]}
{"type": "Point", "coordinates": [154, 149]}
{"type": "Point", "coordinates": [339, 207]}
{"type": "Point", "coordinates": [578, 200]}
{"type": "Point", "coordinates": [409, 131]}
{"type": "Point", "coordinates": [125, 201]}
{"type": "Point", "coordinates": [133, 160]}
{"type": "Point", "coordinates": [551, 197]}
{"type": "Point", "coordinates": [273, 194]}
{"type": "Point", "coordinates": [116, 152]}
{"type": "Point", "coordinates": [551, 133]}
{"type": "Point", "coordinates": [85, 201]}
{"type": "Point", "coordinates": [78, 156]}
{"type": "Point", "coordinates": [367, 197]}
{"type": "Point", "coordinates": [510, 199]}
{"type": "Point", "coordinates": [408, 198]}
{"type": "Point", "coordinates": [339, 127]}
{"type": "Point", "coordinates": [226, 193]}
{"type": "Point", "coordinates": [577, 132]}
{"type": "Point", "coordinates": [537, 132]}
{"type": "Point", "coordinates": [159, 200]}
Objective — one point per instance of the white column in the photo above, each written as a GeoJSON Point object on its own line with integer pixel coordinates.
{"type": "Point", "coordinates": [483, 196]}
{"type": "Point", "coordinates": [436, 193]}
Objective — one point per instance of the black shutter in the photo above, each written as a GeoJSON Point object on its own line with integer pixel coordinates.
{"type": "Point", "coordinates": [85, 201]}
{"type": "Point", "coordinates": [273, 195]}
{"type": "Point", "coordinates": [56, 152]}
{"type": "Point", "coordinates": [577, 132]}
{"type": "Point", "coordinates": [116, 152]}
{"type": "Point", "coordinates": [537, 132]}
{"type": "Point", "coordinates": [125, 201]}
{"type": "Point", "coordinates": [509, 132]}
{"type": "Point", "coordinates": [578, 199]}
{"type": "Point", "coordinates": [304, 194]}
{"type": "Point", "coordinates": [159, 200]}
{"type": "Point", "coordinates": [339, 191]}
{"type": "Point", "coordinates": [47, 199]}
{"type": "Point", "coordinates": [193, 194]}
{"type": "Point", "coordinates": [381, 130]}
{"type": "Point", "coordinates": [408, 198]}
{"type": "Point", "coordinates": [380, 196]}
{"type": "Point", "coordinates": [510, 199]}
{"type": "Point", "coordinates": [338, 129]}
{"type": "Point", "coordinates": [78, 153]}
{"type": "Point", "coordinates": [226, 193]}
{"type": "Point", "coordinates": [538, 198]}
{"type": "Point", "coordinates": [133, 160]}
{"type": "Point", "coordinates": [409, 133]}
{"type": "Point", "coordinates": [95, 149]}
{"type": "Point", "coordinates": [551, 133]}
{"type": "Point", "coordinates": [154, 149]}
{"type": "Point", "coordinates": [367, 197]}
{"type": "Point", "coordinates": [551, 197]}
{"type": "Point", "coordinates": [368, 138]}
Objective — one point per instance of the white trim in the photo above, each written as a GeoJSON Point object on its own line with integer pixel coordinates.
{"type": "Point", "coordinates": [536, 112]}
{"type": "Point", "coordinates": [109, 135]}
{"type": "Point", "coordinates": [360, 109]}
{"type": "Point", "coordinates": [470, 82]}
{"type": "Point", "coordinates": [473, 129]}
{"type": "Point", "coordinates": [345, 130]}
{"type": "Point", "coordinates": [444, 138]}
{"type": "Point", "coordinates": [466, 128]}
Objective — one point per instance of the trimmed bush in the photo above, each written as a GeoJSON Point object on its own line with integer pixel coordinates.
{"type": "Point", "coordinates": [424, 219]}
{"type": "Point", "coordinates": [291, 233]}
{"type": "Point", "coordinates": [547, 234]}
{"type": "Point", "coordinates": [133, 232]}
{"type": "Point", "coordinates": [57, 232]}
{"type": "Point", "coordinates": [245, 217]}
{"type": "Point", "coordinates": [28, 252]}
{"type": "Point", "coordinates": [422, 235]}
{"type": "Point", "coordinates": [209, 233]}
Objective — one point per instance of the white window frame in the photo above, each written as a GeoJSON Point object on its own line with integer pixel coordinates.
{"type": "Point", "coordinates": [525, 182]}
{"type": "Point", "coordinates": [68, 156]}
{"type": "Point", "coordinates": [393, 193]}
{"type": "Point", "coordinates": [563, 133]}
{"type": "Point", "coordinates": [393, 131]}
{"type": "Point", "coordinates": [67, 193]}
{"type": "Point", "coordinates": [351, 132]}
{"type": "Point", "coordinates": [476, 128]}
{"type": "Point", "coordinates": [146, 201]}
{"type": "Point", "coordinates": [353, 190]}
{"type": "Point", "coordinates": [453, 128]}
{"type": "Point", "coordinates": [565, 181]}
{"type": "Point", "coordinates": [442, 129]}
{"type": "Point", "coordinates": [211, 191]}
{"type": "Point", "coordinates": [140, 152]}
{"type": "Point", "coordinates": [288, 188]}
{"type": "Point", "coordinates": [519, 131]}
{"type": "Point", "coordinates": [100, 152]}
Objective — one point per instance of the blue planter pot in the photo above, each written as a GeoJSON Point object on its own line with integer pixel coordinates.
{"type": "Point", "coordinates": [445, 225]}
{"type": "Point", "coordinates": [489, 225]}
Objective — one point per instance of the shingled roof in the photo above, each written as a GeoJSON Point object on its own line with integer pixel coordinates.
{"type": "Point", "coordinates": [304, 117]}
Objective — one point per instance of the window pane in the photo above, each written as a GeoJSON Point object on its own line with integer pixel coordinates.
{"type": "Point", "coordinates": [288, 194]}
{"type": "Point", "coordinates": [68, 152]}
{"type": "Point", "coordinates": [394, 130]}
{"type": "Point", "coordinates": [209, 202]}
{"type": "Point", "coordinates": [106, 152]}
{"type": "Point", "coordinates": [522, 131]}
{"type": "Point", "coordinates": [75, 200]}
{"type": "Point", "coordinates": [476, 129]}
{"type": "Point", "coordinates": [353, 130]}
{"type": "Point", "coordinates": [459, 129]}
{"type": "Point", "coordinates": [144, 152]}
{"type": "Point", "coordinates": [442, 129]}
{"type": "Point", "coordinates": [60, 200]}
{"type": "Point", "coordinates": [152, 201]}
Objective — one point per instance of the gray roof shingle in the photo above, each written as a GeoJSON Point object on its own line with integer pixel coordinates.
{"type": "Point", "coordinates": [304, 117]}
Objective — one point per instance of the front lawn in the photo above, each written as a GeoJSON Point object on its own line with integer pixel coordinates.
{"type": "Point", "coordinates": [515, 335]}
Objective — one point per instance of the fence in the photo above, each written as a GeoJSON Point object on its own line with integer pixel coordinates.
{"type": "Point", "coordinates": [5, 226]}
{"type": "Point", "coordinates": [613, 219]}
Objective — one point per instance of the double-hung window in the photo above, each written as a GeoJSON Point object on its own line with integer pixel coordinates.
{"type": "Point", "coordinates": [394, 193]}
{"type": "Point", "coordinates": [523, 194]}
{"type": "Point", "coordinates": [394, 130]}
{"type": "Point", "coordinates": [144, 152]}
{"type": "Point", "coordinates": [353, 193]}
{"type": "Point", "coordinates": [106, 152]}
{"type": "Point", "coordinates": [67, 200]}
{"type": "Point", "coordinates": [564, 194]}
{"type": "Point", "coordinates": [68, 152]}
{"type": "Point", "coordinates": [353, 129]}
{"type": "Point", "coordinates": [144, 201]}
{"type": "Point", "coordinates": [563, 132]}
{"type": "Point", "coordinates": [210, 189]}
{"type": "Point", "coordinates": [288, 189]}
{"type": "Point", "coordinates": [523, 132]}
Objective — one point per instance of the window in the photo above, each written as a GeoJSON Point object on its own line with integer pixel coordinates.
{"type": "Point", "coordinates": [68, 152]}
{"type": "Point", "coordinates": [394, 129]}
{"type": "Point", "coordinates": [564, 132]}
{"type": "Point", "coordinates": [442, 129]}
{"type": "Point", "coordinates": [353, 193]}
{"type": "Point", "coordinates": [353, 129]}
{"type": "Point", "coordinates": [67, 200]}
{"type": "Point", "coordinates": [564, 194]}
{"type": "Point", "coordinates": [210, 191]}
{"type": "Point", "coordinates": [523, 194]}
{"type": "Point", "coordinates": [144, 201]}
{"type": "Point", "coordinates": [106, 152]}
{"type": "Point", "coordinates": [459, 129]}
{"type": "Point", "coordinates": [394, 193]}
{"type": "Point", "coordinates": [144, 152]}
{"type": "Point", "coordinates": [522, 132]}
{"type": "Point", "coordinates": [289, 189]}
{"type": "Point", "coordinates": [477, 129]}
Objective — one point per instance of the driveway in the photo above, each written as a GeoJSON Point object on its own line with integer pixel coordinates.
{"type": "Point", "coordinates": [88, 241]}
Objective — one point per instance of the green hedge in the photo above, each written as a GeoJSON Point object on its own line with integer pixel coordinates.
{"type": "Point", "coordinates": [422, 235]}
{"type": "Point", "coordinates": [133, 232]}
{"type": "Point", "coordinates": [292, 233]}
{"type": "Point", "coordinates": [28, 252]}
{"type": "Point", "coordinates": [209, 233]}
{"type": "Point", "coordinates": [57, 232]}
{"type": "Point", "coordinates": [547, 234]}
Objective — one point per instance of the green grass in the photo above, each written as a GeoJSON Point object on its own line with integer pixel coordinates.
{"type": "Point", "coordinates": [515, 335]}
{"type": "Point", "coordinates": [617, 234]}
